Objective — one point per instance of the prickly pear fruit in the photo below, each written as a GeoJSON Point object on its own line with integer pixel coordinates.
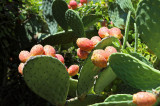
{"type": "Point", "coordinates": [103, 32]}
{"type": "Point", "coordinates": [83, 1]}
{"type": "Point", "coordinates": [99, 60]}
{"type": "Point", "coordinates": [101, 52]}
{"type": "Point", "coordinates": [37, 50]}
{"type": "Point", "coordinates": [85, 44]}
{"type": "Point", "coordinates": [73, 70]}
{"type": "Point", "coordinates": [95, 39]}
{"type": "Point", "coordinates": [144, 99]}
{"type": "Point", "coordinates": [24, 56]}
{"type": "Point", "coordinates": [80, 4]}
{"type": "Point", "coordinates": [82, 54]}
{"type": "Point", "coordinates": [20, 68]}
{"type": "Point", "coordinates": [73, 4]}
{"type": "Point", "coordinates": [116, 32]}
{"type": "Point", "coordinates": [60, 57]}
{"type": "Point", "coordinates": [49, 50]}
{"type": "Point", "coordinates": [109, 50]}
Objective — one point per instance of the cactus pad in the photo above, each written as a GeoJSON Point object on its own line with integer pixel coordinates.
{"type": "Point", "coordinates": [48, 78]}
{"type": "Point", "coordinates": [118, 97]}
{"type": "Point", "coordinates": [75, 22]}
{"type": "Point", "coordinates": [104, 79]}
{"type": "Point", "coordinates": [134, 72]}
{"type": "Point", "coordinates": [148, 24]}
{"type": "Point", "coordinates": [59, 8]}
{"type": "Point", "coordinates": [89, 70]}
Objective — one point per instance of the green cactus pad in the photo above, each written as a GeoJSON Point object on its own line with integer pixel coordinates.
{"type": "Point", "coordinates": [119, 97]}
{"type": "Point", "coordinates": [48, 16]}
{"type": "Point", "coordinates": [72, 87]}
{"type": "Point", "coordinates": [148, 24]}
{"type": "Point", "coordinates": [140, 57]}
{"type": "Point", "coordinates": [59, 8]}
{"type": "Point", "coordinates": [134, 72]}
{"type": "Point", "coordinates": [89, 71]}
{"type": "Point", "coordinates": [90, 19]}
{"type": "Point", "coordinates": [104, 79]}
{"type": "Point", "coordinates": [47, 77]}
{"type": "Point", "coordinates": [90, 99]}
{"type": "Point", "coordinates": [75, 22]}
{"type": "Point", "coordinates": [119, 103]}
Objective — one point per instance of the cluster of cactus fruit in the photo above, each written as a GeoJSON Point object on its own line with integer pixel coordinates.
{"type": "Point", "coordinates": [103, 63]}
{"type": "Point", "coordinates": [73, 4]}
{"type": "Point", "coordinates": [47, 50]}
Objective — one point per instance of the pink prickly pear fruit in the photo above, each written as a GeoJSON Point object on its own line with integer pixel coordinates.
{"type": "Point", "coordinates": [49, 51]}
{"type": "Point", "coordinates": [73, 70]}
{"type": "Point", "coordinates": [37, 50]}
{"type": "Point", "coordinates": [95, 39]}
{"type": "Point", "coordinates": [103, 32]}
{"type": "Point", "coordinates": [101, 52]}
{"type": "Point", "coordinates": [98, 60]}
{"type": "Point", "coordinates": [80, 5]}
{"type": "Point", "coordinates": [109, 50]}
{"type": "Point", "coordinates": [24, 56]}
{"type": "Point", "coordinates": [69, 7]}
{"type": "Point", "coordinates": [60, 57]}
{"type": "Point", "coordinates": [73, 4]}
{"type": "Point", "coordinates": [82, 54]}
{"type": "Point", "coordinates": [116, 32]}
{"type": "Point", "coordinates": [144, 99]}
{"type": "Point", "coordinates": [83, 1]}
{"type": "Point", "coordinates": [85, 44]}
{"type": "Point", "coordinates": [111, 23]}
{"type": "Point", "coordinates": [20, 68]}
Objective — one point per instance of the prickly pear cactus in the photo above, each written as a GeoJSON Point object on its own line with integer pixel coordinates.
{"type": "Point", "coordinates": [48, 78]}
{"type": "Point", "coordinates": [89, 71]}
{"type": "Point", "coordinates": [148, 23]}
{"type": "Point", "coordinates": [75, 22]}
{"type": "Point", "coordinates": [59, 8]}
{"type": "Point", "coordinates": [117, 100]}
{"type": "Point", "coordinates": [134, 72]}
{"type": "Point", "coordinates": [104, 79]}
{"type": "Point", "coordinates": [72, 87]}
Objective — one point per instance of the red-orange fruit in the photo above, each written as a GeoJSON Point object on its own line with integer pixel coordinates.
{"type": "Point", "coordinates": [49, 50]}
{"type": "Point", "coordinates": [101, 52]}
{"type": "Point", "coordinates": [144, 99]}
{"type": "Point", "coordinates": [73, 70]}
{"type": "Point", "coordinates": [37, 50]}
{"type": "Point", "coordinates": [83, 1]}
{"type": "Point", "coordinates": [82, 54]}
{"type": "Point", "coordinates": [80, 5]}
{"type": "Point", "coordinates": [85, 44]}
{"type": "Point", "coordinates": [99, 60]}
{"type": "Point", "coordinates": [116, 32]}
{"type": "Point", "coordinates": [60, 57]}
{"type": "Point", "coordinates": [103, 32]}
{"type": "Point", "coordinates": [95, 39]}
{"type": "Point", "coordinates": [24, 56]}
{"type": "Point", "coordinates": [109, 50]}
{"type": "Point", "coordinates": [73, 4]}
{"type": "Point", "coordinates": [20, 68]}
{"type": "Point", "coordinates": [69, 7]}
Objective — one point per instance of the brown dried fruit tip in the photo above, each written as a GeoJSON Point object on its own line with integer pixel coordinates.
{"type": "Point", "coordinates": [20, 68]}
{"type": "Point", "coordinates": [24, 56]}
{"type": "Point", "coordinates": [82, 54]}
{"type": "Point", "coordinates": [85, 44]}
{"type": "Point", "coordinates": [49, 50]}
{"type": "Point", "coordinates": [95, 39]}
{"type": "Point", "coordinates": [103, 32]}
{"type": "Point", "coordinates": [60, 57]}
{"type": "Point", "coordinates": [73, 70]}
{"type": "Point", "coordinates": [109, 50]}
{"type": "Point", "coordinates": [144, 99]}
{"type": "Point", "coordinates": [37, 50]}
{"type": "Point", "coordinates": [116, 32]}
{"type": "Point", "coordinates": [99, 60]}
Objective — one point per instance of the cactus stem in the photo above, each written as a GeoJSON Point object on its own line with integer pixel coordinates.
{"type": "Point", "coordinates": [136, 38]}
